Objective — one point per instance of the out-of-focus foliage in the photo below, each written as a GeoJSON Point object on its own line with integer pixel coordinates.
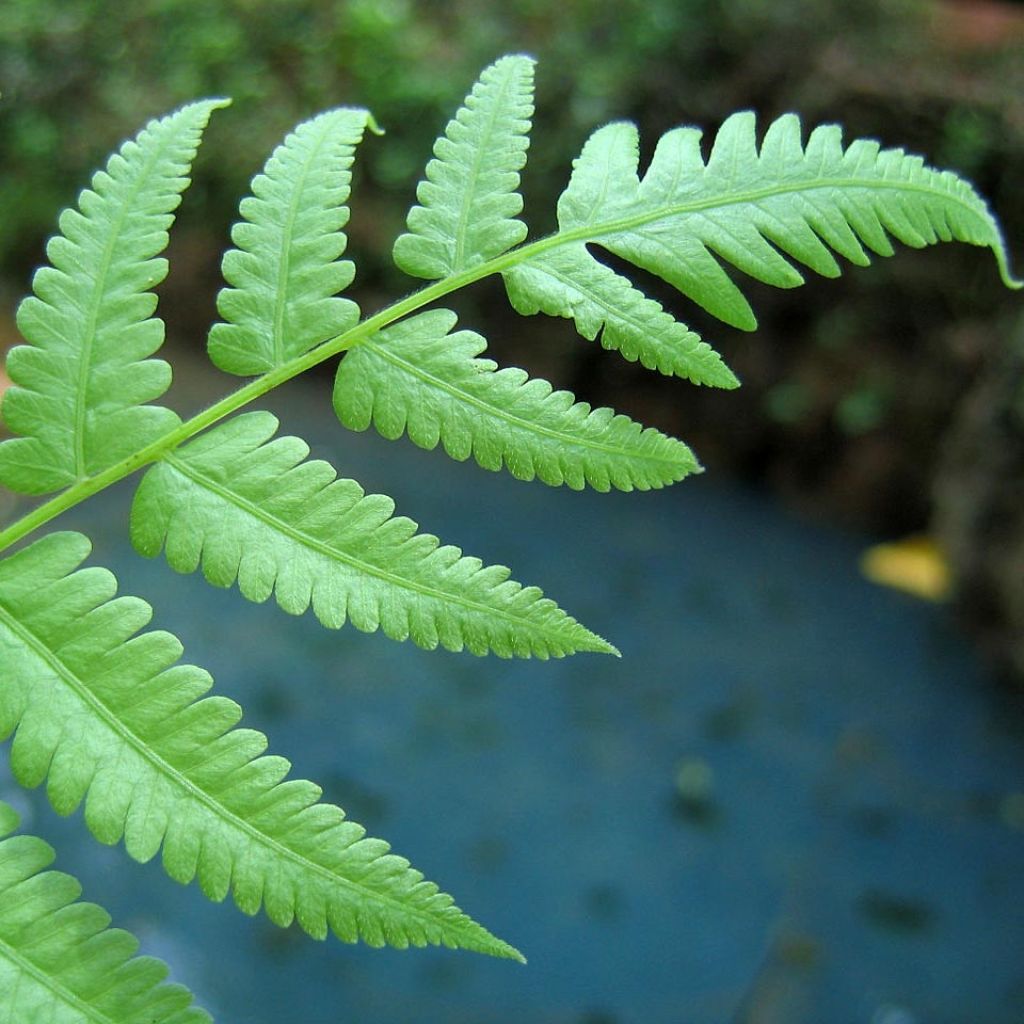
{"type": "Point", "coordinates": [102, 66]}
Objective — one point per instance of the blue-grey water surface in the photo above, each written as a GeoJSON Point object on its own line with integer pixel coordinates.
{"type": "Point", "coordinates": [796, 798]}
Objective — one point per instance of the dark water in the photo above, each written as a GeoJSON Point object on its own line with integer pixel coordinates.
{"type": "Point", "coordinates": [796, 798]}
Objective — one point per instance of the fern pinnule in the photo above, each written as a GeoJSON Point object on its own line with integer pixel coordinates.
{"type": "Point", "coordinates": [248, 507]}
{"type": "Point", "coordinates": [286, 272]}
{"type": "Point", "coordinates": [419, 378]}
{"type": "Point", "coordinates": [468, 201]}
{"type": "Point", "coordinates": [59, 960]}
{"type": "Point", "coordinates": [81, 381]}
{"type": "Point", "coordinates": [104, 713]}
{"type": "Point", "coordinates": [567, 281]}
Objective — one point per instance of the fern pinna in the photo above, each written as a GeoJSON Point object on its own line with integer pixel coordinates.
{"type": "Point", "coordinates": [101, 708]}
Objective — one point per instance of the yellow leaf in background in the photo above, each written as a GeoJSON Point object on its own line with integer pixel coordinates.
{"type": "Point", "coordinates": [915, 565]}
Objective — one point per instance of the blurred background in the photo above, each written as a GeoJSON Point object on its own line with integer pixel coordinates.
{"type": "Point", "coordinates": [885, 406]}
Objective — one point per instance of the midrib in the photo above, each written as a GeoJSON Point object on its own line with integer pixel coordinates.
{"type": "Point", "coordinates": [237, 500]}
{"type": "Point", "coordinates": [98, 295]}
{"type": "Point", "coordinates": [591, 231]}
{"type": "Point", "coordinates": [470, 193]}
{"type": "Point", "coordinates": [51, 984]}
{"type": "Point", "coordinates": [493, 410]}
{"type": "Point", "coordinates": [161, 766]}
{"type": "Point", "coordinates": [284, 263]}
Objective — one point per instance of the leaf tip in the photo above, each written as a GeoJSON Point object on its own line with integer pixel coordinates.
{"type": "Point", "coordinates": [504, 951]}
{"type": "Point", "coordinates": [598, 645]}
{"type": "Point", "coordinates": [528, 57]}
{"type": "Point", "coordinates": [726, 379]}
{"type": "Point", "coordinates": [209, 105]}
{"type": "Point", "coordinates": [1006, 275]}
{"type": "Point", "coordinates": [741, 319]}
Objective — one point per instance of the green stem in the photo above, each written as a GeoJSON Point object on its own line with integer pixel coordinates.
{"type": "Point", "coordinates": [367, 328]}
{"type": "Point", "coordinates": [85, 488]}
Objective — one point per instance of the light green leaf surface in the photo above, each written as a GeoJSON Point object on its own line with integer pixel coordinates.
{"type": "Point", "coordinates": [250, 508]}
{"type": "Point", "coordinates": [468, 204]}
{"type": "Point", "coordinates": [60, 962]}
{"type": "Point", "coordinates": [285, 273]}
{"type": "Point", "coordinates": [420, 379]}
{"type": "Point", "coordinates": [105, 714]}
{"type": "Point", "coordinates": [568, 281]}
{"type": "Point", "coordinates": [757, 209]}
{"type": "Point", "coordinates": [81, 383]}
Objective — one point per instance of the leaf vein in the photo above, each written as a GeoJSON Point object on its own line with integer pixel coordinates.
{"type": "Point", "coordinates": [129, 739]}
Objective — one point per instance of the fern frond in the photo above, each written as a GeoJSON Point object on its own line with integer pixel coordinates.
{"type": "Point", "coordinates": [418, 378]}
{"type": "Point", "coordinates": [59, 960]}
{"type": "Point", "coordinates": [748, 207]}
{"type": "Point", "coordinates": [250, 508]}
{"type": "Point", "coordinates": [105, 715]}
{"type": "Point", "coordinates": [286, 272]}
{"type": "Point", "coordinates": [80, 383]}
{"type": "Point", "coordinates": [468, 203]}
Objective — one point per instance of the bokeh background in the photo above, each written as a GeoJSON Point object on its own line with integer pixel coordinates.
{"type": "Point", "coordinates": [886, 405]}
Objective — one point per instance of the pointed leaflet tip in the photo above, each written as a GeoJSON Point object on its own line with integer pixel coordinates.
{"type": "Point", "coordinates": [230, 819]}
{"type": "Point", "coordinates": [209, 104]}
{"type": "Point", "coordinates": [610, 649]}
{"type": "Point", "coordinates": [503, 951]}
{"type": "Point", "coordinates": [1005, 274]}
{"type": "Point", "coordinates": [593, 643]}
{"type": "Point", "coordinates": [322, 543]}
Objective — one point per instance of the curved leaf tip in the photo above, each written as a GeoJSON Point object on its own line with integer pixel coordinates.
{"type": "Point", "coordinates": [1005, 274]}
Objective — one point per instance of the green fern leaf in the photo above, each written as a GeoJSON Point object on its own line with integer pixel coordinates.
{"type": "Point", "coordinates": [468, 202]}
{"type": "Point", "coordinates": [286, 272]}
{"type": "Point", "coordinates": [417, 377]}
{"type": "Point", "coordinates": [105, 715]}
{"type": "Point", "coordinates": [569, 282]}
{"type": "Point", "coordinates": [748, 207]}
{"type": "Point", "coordinates": [248, 507]}
{"type": "Point", "coordinates": [81, 382]}
{"type": "Point", "coordinates": [59, 960]}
